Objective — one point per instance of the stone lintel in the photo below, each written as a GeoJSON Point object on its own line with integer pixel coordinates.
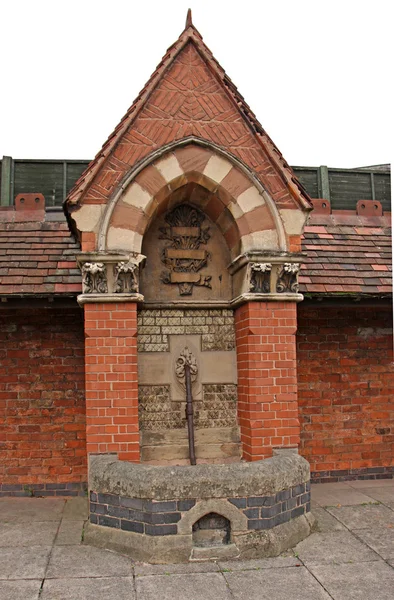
{"type": "Point", "coordinates": [109, 257]}
{"type": "Point", "coordinates": [276, 258]}
{"type": "Point", "coordinates": [250, 297]}
{"type": "Point", "coordinates": [96, 298]}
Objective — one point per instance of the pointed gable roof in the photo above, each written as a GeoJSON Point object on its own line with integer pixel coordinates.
{"type": "Point", "coordinates": [188, 95]}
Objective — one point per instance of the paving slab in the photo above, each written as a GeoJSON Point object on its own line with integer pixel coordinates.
{"type": "Point", "coordinates": [20, 590]}
{"type": "Point", "coordinates": [340, 497]}
{"type": "Point", "coordinates": [70, 533]}
{"type": "Point", "coordinates": [143, 569]}
{"type": "Point", "coordinates": [100, 588]}
{"type": "Point", "coordinates": [372, 483]}
{"type": "Point", "coordinates": [326, 522]}
{"type": "Point", "coordinates": [275, 584]}
{"type": "Point", "coordinates": [86, 561]}
{"type": "Point", "coordinates": [380, 539]}
{"type": "Point", "coordinates": [31, 509]}
{"type": "Point", "coordinates": [196, 586]}
{"type": "Point", "coordinates": [363, 517]}
{"type": "Point", "coordinates": [334, 547]}
{"type": "Point", "coordinates": [369, 581]}
{"type": "Point", "coordinates": [76, 509]}
{"type": "Point", "coordinates": [380, 494]}
{"type": "Point", "coordinates": [37, 533]}
{"type": "Point", "coordinates": [259, 563]}
{"type": "Point", "coordinates": [24, 563]}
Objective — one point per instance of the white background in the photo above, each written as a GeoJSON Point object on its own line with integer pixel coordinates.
{"type": "Point", "coordinates": [316, 73]}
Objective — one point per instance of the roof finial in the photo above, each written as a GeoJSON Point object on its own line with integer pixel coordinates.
{"type": "Point", "coordinates": [189, 22]}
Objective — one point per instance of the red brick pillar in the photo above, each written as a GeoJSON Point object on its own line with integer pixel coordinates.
{"type": "Point", "coordinates": [267, 380]}
{"type": "Point", "coordinates": [111, 379]}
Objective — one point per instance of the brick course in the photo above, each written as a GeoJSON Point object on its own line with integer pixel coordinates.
{"type": "Point", "coordinates": [267, 380]}
{"type": "Point", "coordinates": [160, 517]}
{"type": "Point", "coordinates": [346, 389]}
{"type": "Point", "coordinates": [42, 407]}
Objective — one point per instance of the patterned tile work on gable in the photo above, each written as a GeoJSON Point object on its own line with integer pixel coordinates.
{"type": "Point", "coordinates": [347, 254]}
{"type": "Point", "coordinates": [189, 94]}
{"type": "Point", "coordinates": [38, 258]}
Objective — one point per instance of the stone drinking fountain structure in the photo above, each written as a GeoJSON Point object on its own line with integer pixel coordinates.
{"type": "Point", "coordinates": [189, 222]}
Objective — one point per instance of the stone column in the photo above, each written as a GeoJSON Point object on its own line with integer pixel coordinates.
{"type": "Point", "coordinates": [267, 380]}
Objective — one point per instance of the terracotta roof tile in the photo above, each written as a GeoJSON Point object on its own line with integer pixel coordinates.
{"type": "Point", "coordinates": [354, 259]}
{"type": "Point", "coordinates": [37, 258]}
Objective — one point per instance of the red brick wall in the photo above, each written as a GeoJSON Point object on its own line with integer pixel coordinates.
{"type": "Point", "coordinates": [111, 379]}
{"type": "Point", "coordinates": [42, 407]}
{"type": "Point", "coordinates": [346, 386]}
{"type": "Point", "coordinates": [267, 379]}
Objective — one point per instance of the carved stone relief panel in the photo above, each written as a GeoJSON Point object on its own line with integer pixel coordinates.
{"type": "Point", "coordinates": [187, 258]}
{"type": "Point", "coordinates": [184, 255]}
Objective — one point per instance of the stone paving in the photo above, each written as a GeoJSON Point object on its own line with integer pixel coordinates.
{"type": "Point", "coordinates": [349, 557]}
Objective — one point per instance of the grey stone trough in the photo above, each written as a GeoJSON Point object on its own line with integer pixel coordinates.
{"type": "Point", "coordinates": [151, 512]}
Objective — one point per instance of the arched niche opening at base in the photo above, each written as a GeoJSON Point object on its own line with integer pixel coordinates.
{"type": "Point", "coordinates": [187, 256]}
{"type": "Point", "coordinates": [211, 530]}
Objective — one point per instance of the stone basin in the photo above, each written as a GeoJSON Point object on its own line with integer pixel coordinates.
{"type": "Point", "coordinates": [152, 512]}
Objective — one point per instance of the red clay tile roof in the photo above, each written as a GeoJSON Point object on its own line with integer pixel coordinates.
{"type": "Point", "coordinates": [37, 258]}
{"type": "Point", "coordinates": [347, 254]}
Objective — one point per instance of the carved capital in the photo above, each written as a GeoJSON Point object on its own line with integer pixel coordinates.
{"type": "Point", "coordinates": [109, 277]}
{"type": "Point", "coordinates": [288, 278]}
{"type": "Point", "coordinates": [126, 277]}
{"type": "Point", "coordinates": [260, 278]}
{"type": "Point", "coordinates": [94, 278]}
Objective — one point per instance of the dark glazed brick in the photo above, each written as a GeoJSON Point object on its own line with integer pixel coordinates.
{"type": "Point", "coordinates": [298, 489]}
{"type": "Point", "coordinates": [252, 513]}
{"type": "Point", "coordinates": [108, 499]}
{"type": "Point", "coordinates": [261, 501]}
{"type": "Point", "coordinates": [93, 496]}
{"type": "Point", "coordinates": [119, 511]}
{"type": "Point", "coordinates": [139, 515]}
{"type": "Point", "coordinates": [135, 503]}
{"type": "Point", "coordinates": [11, 488]}
{"type": "Point", "coordinates": [238, 502]}
{"type": "Point", "coordinates": [99, 509]}
{"type": "Point", "coordinates": [109, 522]}
{"type": "Point", "coordinates": [308, 507]}
{"type": "Point", "coordinates": [55, 486]}
{"type": "Point", "coordinates": [284, 495]}
{"type": "Point", "coordinates": [297, 512]}
{"type": "Point", "coordinates": [186, 504]}
{"type": "Point", "coordinates": [282, 518]}
{"type": "Point", "coordinates": [270, 511]}
{"type": "Point", "coordinates": [164, 518]}
{"type": "Point", "coordinates": [305, 498]}
{"type": "Point", "coordinates": [166, 506]}
{"type": "Point", "coordinates": [75, 486]}
{"type": "Point", "coordinates": [308, 486]}
{"type": "Point", "coordinates": [259, 524]}
{"type": "Point", "coordinates": [291, 503]}
{"type": "Point", "coordinates": [132, 526]}
{"type": "Point", "coordinates": [93, 519]}
{"type": "Point", "coordinates": [161, 529]}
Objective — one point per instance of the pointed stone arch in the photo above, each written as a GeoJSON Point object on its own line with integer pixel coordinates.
{"type": "Point", "coordinates": [234, 199]}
